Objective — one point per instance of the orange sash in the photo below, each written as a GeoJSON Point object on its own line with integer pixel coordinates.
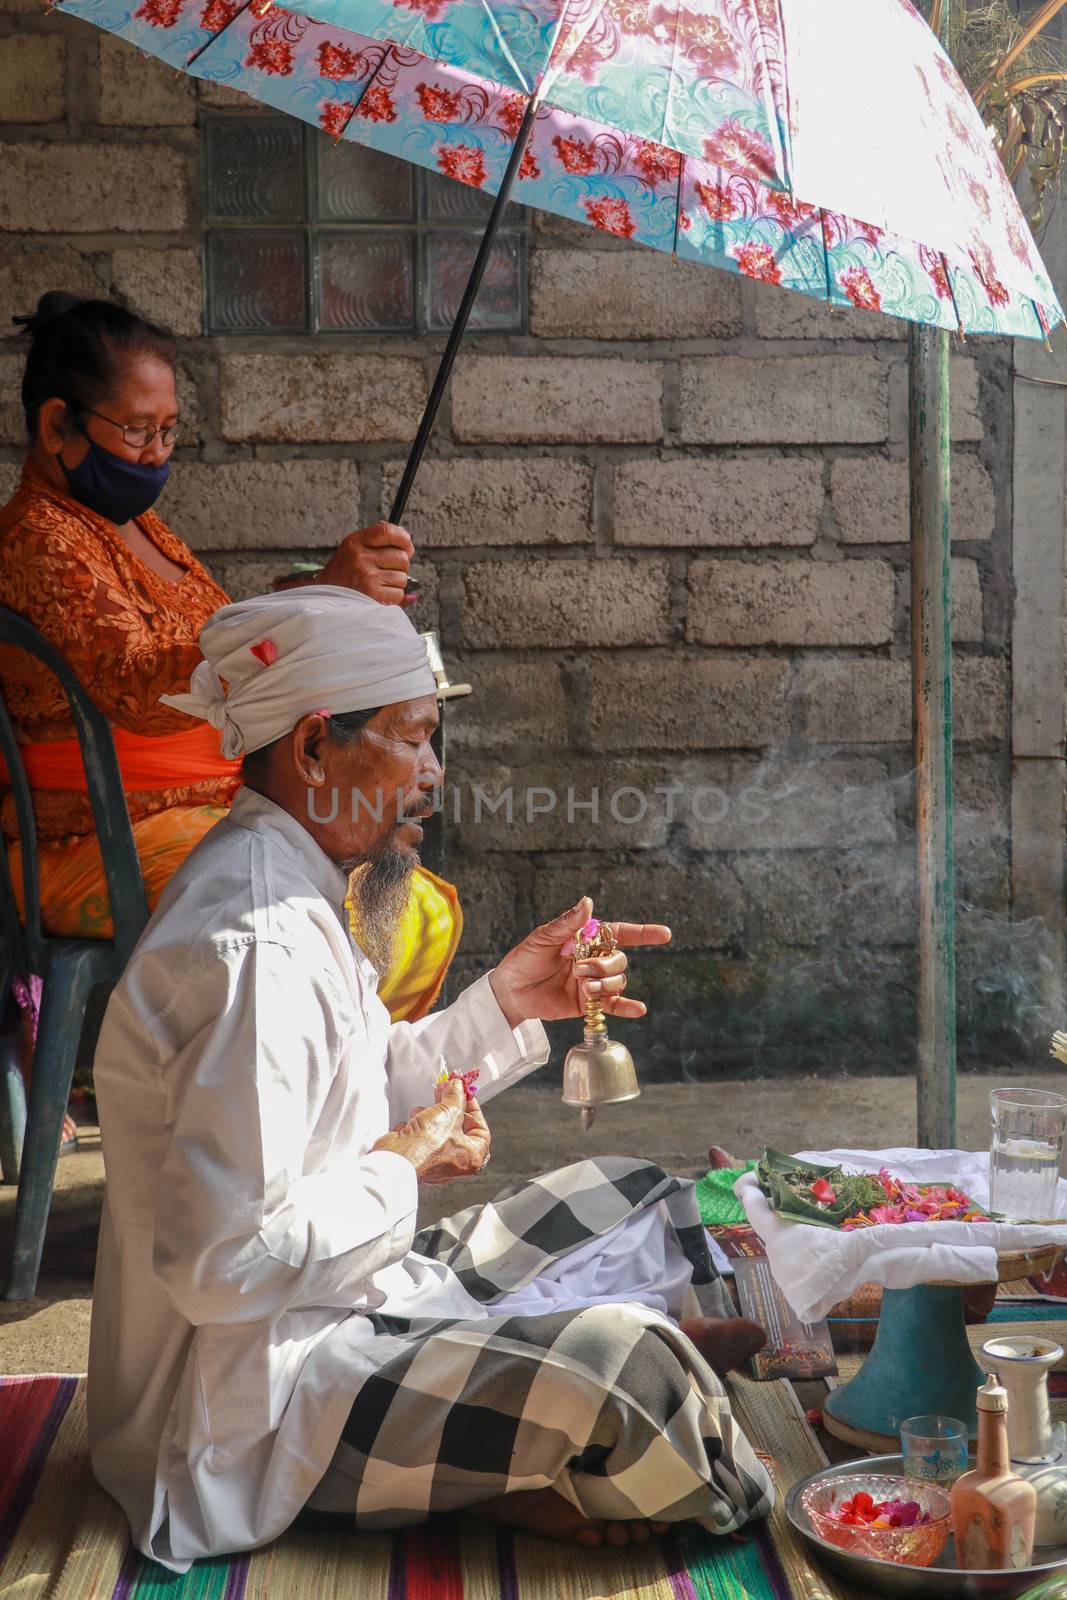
{"type": "Point", "coordinates": [167, 761]}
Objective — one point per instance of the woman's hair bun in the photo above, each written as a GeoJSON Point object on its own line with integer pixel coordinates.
{"type": "Point", "coordinates": [53, 303]}
{"type": "Point", "coordinates": [78, 348]}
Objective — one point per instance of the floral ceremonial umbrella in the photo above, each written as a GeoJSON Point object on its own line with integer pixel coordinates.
{"type": "Point", "coordinates": [832, 149]}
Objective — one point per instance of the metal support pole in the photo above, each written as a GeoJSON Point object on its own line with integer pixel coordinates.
{"type": "Point", "coordinates": [929, 450]}
{"type": "Point", "coordinates": [931, 669]}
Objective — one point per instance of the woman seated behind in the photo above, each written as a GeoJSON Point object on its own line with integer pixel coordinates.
{"type": "Point", "coordinates": [85, 558]}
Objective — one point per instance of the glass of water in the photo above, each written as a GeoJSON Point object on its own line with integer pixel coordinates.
{"type": "Point", "coordinates": [1024, 1156]}
{"type": "Point", "coordinates": [934, 1448]}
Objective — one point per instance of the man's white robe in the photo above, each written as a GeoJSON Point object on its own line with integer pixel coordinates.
{"type": "Point", "coordinates": [245, 1068]}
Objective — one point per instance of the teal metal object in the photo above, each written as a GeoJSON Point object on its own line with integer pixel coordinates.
{"type": "Point", "coordinates": [12, 1103]}
{"type": "Point", "coordinates": [921, 1363]}
{"type": "Point", "coordinates": [70, 968]}
{"type": "Point", "coordinates": [931, 660]}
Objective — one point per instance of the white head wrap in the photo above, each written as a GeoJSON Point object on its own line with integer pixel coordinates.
{"type": "Point", "coordinates": [310, 649]}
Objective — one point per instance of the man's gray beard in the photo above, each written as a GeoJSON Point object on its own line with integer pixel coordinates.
{"type": "Point", "coordinates": [379, 890]}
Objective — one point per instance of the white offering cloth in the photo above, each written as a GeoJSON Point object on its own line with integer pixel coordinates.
{"type": "Point", "coordinates": [817, 1267]}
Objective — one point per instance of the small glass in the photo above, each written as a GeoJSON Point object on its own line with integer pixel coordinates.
{"type": "Point", "coordinates": [1025, 1151]}
{"type": "Point", "coordinates": [934, 1448]}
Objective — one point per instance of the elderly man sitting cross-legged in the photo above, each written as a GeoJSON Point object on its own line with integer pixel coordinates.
{"type": "Point", "coordinates": [269, 1334]}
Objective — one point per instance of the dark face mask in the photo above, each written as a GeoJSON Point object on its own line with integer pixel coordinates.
{"type": "Point", "coordinates": [115, 488]}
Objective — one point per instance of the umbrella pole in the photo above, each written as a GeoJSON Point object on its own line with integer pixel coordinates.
{"type": "Point", "coordinates": [931, 668]}
{"type": "Point", "coordinates": [470, 293]}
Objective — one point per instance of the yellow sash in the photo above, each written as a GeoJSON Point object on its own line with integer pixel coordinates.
{"type": "Point", "coordinates": [429, 934]}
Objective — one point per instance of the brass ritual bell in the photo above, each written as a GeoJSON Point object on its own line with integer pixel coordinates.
{"type": "Point", "coordinates": [599, 1071]}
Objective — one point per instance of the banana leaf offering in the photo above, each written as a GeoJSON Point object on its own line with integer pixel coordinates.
{"type": "Point", "coordinates": [830, 1197]}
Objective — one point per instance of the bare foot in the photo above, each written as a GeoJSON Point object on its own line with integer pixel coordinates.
{"type": "Point", "coordinates": [548, 1514]}
{"type": "Point", "coordinates": [618, 1534]}
{"type": "Point", "coordinates": [718, 1158]}
{"type": "Point", "coordinates": [726, 1343]}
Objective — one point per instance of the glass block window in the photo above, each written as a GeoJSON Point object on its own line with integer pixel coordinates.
{"type": "Point", "coordinates": [307, 235]}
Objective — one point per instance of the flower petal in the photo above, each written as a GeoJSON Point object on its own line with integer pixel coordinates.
{"type": "Point", "coordinates": [266, 651]}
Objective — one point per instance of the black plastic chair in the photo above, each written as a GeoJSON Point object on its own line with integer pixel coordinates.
{"type": "Point", "coordinates": [70, 968]}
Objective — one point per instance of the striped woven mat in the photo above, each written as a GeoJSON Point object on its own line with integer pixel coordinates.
{"type": "Point", "coordinates": [63, 1538]}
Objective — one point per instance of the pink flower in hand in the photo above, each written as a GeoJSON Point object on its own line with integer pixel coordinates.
{"type": "Point", "coordinates": [469, 1080]}
{"type": "Point", "coordinates": [586, 933]}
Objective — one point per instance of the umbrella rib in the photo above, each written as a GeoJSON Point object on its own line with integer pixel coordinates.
{"type": "Point", "coordinates": [786, 131]}
{"type": "Point", "coordinates": [952, 292]}
{"type": "Point", "coordinates": [779, 132]}
{"type": "Point", "coordinates": [554, 69]}
{"type": "Point", "coordinates": [1042, 324]}
{"type": "Point", "coordinates": [382, 59]}
{"type": "Point", "coordinates": [520, 76]}
{"type": "Point", "coordinates": [678, 206]}
{"type": "Point", "coordinates": [825, 257]}
{"type": "Point", "coordinates": [671, 79]}
{"type": "Point", "coordinates": [216, 36]}
{"type": "Point", "coordinates": [1047, 383]}
{"type": "Point", "coordinates": [251, 5]}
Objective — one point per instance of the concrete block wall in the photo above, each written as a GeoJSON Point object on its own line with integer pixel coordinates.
{"type": "Point", "coordinates": [665, 536]}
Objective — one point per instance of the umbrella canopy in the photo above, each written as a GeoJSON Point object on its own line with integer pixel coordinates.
{"type": "Point", "coordinates": [839, 155]}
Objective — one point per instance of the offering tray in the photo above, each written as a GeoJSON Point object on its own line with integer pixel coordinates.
{"type": "Point", "coordinates": [943, 1581]}
{"type": "Point", "coordinates": [921, 1361]}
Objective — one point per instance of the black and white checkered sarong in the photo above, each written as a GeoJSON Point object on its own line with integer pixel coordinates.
{"type": "Point", "coordinates": [611, 1405]}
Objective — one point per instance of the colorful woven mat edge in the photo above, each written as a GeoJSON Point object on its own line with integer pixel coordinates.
{"type": "Point", "coordinates": [63, 1538]}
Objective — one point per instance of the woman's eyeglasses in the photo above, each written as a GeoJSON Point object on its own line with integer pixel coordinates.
{"type": "Point", "coordinates": [139, 435]}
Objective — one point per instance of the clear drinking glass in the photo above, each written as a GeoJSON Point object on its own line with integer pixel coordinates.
{"type": "Point", "coordinates": [1024, 1155]}
{"type": "Point", "coordinates": [934, 1448]}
